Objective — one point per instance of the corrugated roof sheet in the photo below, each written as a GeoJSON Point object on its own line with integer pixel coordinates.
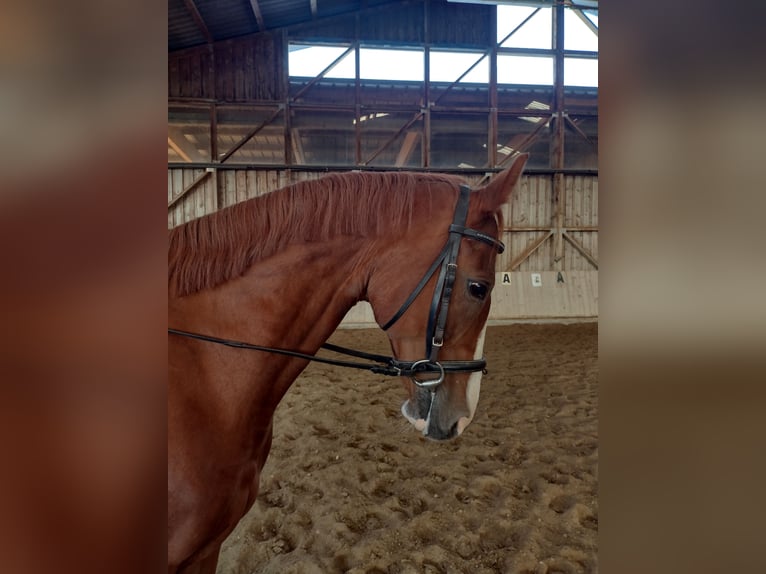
{"type": "Point", "coordinates": [226, 19]}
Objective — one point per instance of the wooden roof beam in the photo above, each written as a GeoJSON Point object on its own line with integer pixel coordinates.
{"type": "Point", "coordinates": [182, 146]}
{"type": "Point", "coordinates": [197, 17]}
{"type": "Point", "coordinates": [256, 8]}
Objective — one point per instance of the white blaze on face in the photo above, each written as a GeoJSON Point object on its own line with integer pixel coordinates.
{"type": "Point", "coordinates": [474, 385]}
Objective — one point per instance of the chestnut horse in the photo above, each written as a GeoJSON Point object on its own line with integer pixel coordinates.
{"type": "Point", "coordinates": [255, 289]}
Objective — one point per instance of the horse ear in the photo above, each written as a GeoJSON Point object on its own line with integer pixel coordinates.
{"type": "Point", "coordinates": [498, 192]}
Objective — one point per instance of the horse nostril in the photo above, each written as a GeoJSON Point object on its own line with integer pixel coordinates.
{"type": "Point", "coordinates": [436, 433]}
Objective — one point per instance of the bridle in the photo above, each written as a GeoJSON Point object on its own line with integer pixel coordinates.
{"type": "Point", "coordinates": [446, 264]}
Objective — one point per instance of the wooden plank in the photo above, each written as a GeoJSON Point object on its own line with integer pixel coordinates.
{"type": "Point", "coordinates": [251, 185]}
{"type": "Point", "coordinates": [195, 182]}
{"type": "Point", "coordinates": [173, 72]}
{"type": "Point", "coordinates": [187, 209]}
{"type": "Point", "coordinates": [528, 228]}
{"type": "Point", "coordinates": [184, 84]}
{"type": "Point", "coordinates": [201, 197]}
{"type": "Point", "coordinates": [195, 76]}
{"type": "Point", "coordinates": [171, 215]}
{"type": "Point", "coordinates": [251, 65]}
{"type": "Point", "coordinates": [241, 184]}
{"type": "Point", "coordinates": [231, 187]}
{"type": "Point", "coordinates": [227, 75]}
{"type": "Point", "coordinates": [178, 185]}
{"type": "Point", "coordinates": [272, 182]}
{"type": "Point", "coordinates": [528, 251]}
{"type": "Point", "coordinates": [584, 252]}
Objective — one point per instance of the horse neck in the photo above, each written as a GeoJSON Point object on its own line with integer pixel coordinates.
{"type": "Point", "coordinates": [294, 299]}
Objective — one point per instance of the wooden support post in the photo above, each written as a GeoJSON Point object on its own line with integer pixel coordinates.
{"type": "Point", "coordinates": [425, 151]}
{"type": "Point", "coordinates": [213, 134]}
{"type": "Point", "coordinates": [287, 151]}
{"type": "Point", "coordinates": [492, 120]}
{"type": "Point", "coordinates": [357, 94]}
{"type": "Point", "coordinates": [557, 142]}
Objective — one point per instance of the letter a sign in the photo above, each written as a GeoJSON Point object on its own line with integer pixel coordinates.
{"type": "Point", "coordinates": [506, 278]}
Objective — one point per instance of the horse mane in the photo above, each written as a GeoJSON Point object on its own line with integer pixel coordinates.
{"type": "Point", "coordinates": [221, 246]}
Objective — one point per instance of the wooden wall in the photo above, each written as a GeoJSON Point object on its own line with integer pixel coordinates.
{"type": "Point", "coordinates": [247, 70]}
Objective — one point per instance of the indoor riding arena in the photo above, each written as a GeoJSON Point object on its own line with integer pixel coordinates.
{"type": "Point", "coordinates": [266, 93]}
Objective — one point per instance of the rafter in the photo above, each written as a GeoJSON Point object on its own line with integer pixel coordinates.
{"type": "Point", "coordinates": [588, 22]}
{"type": "Point", "coordinates": [258, 14]}
{"type": "Point", "coordinates": [197, 17]}
{"type": "Point", "coordinates": [182, 146]}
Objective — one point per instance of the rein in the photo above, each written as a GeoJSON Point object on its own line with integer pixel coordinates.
{"type": "Point", "coordinates": [446, 263]}
{"type": "Point", "coordinates": [388, 366]}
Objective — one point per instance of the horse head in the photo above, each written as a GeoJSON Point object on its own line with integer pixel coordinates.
{"type": "Point", "coordinates": [441, 404]}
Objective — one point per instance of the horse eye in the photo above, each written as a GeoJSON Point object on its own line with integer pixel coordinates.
{"type": "Point", "coordinates": [477, 289]}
